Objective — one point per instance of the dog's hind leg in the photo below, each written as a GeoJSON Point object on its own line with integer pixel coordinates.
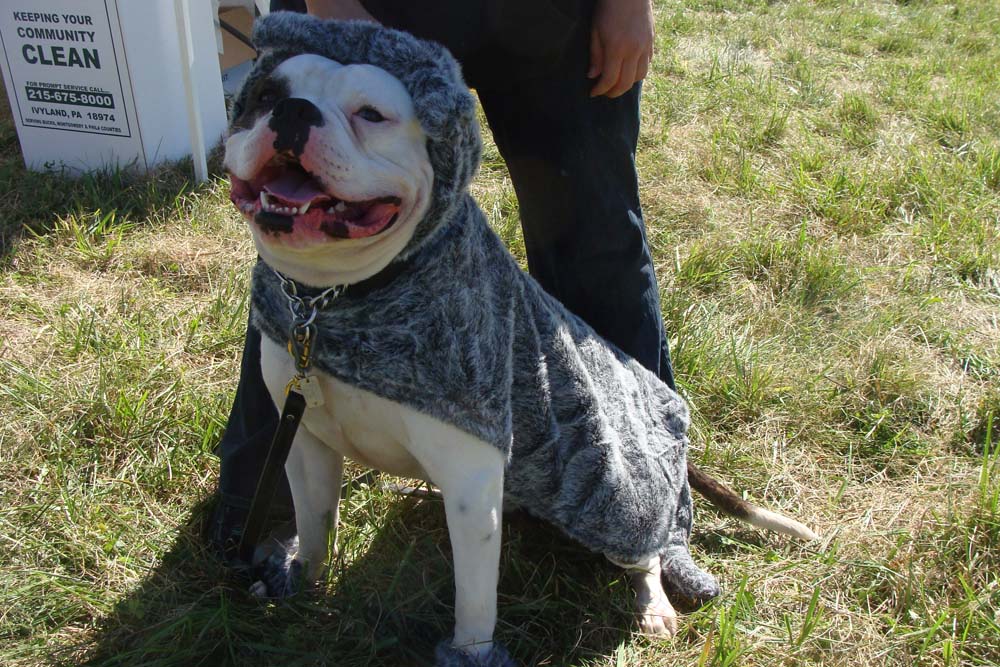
{"type": "Point", "coordinates": [656, 614]}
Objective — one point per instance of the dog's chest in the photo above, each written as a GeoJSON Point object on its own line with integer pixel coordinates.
{"type": "Point", "coordinates": [360, 425]}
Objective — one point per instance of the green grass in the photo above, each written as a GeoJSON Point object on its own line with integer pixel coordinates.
{"type": "Point", "coordinates": [821, 183]}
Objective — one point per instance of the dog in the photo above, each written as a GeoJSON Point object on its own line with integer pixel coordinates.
{"type": "Point", "coordinates": [422, 348]}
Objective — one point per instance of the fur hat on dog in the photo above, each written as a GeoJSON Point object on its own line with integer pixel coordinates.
{"type": "Point", "coordinates": [443, 104]}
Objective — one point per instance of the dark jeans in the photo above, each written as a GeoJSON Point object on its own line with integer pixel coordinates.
{"type": "Point", "coordinates": [572, 161]}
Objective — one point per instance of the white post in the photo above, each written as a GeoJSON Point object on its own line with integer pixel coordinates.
{"type": "Point", "coordinates": [182, 11]}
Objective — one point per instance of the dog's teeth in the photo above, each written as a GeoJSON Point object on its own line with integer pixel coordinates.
{"type": "Point", "coordinates": [340, 207]}
{"type": "Point", "coordinates": [331, 210]}
{"type": "Point", "coordinates": [263, 201]}
{"type": "Point", "coordinates": [304, 208]}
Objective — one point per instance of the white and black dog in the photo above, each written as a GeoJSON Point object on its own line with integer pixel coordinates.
{"type": "Point", "coordinates": [350, 153]}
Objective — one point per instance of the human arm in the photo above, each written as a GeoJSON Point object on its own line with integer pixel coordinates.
{"type": "Point", "coordinates": [621, 45]}
{"type": "Point", "coordinates": [339, 9]}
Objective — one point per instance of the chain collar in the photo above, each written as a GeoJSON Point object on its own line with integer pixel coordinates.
{"type": "Point", "coordinates": [304, 310]}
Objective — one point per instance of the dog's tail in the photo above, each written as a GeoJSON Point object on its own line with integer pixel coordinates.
{"type": "Point", "coordinates": [731, 504]}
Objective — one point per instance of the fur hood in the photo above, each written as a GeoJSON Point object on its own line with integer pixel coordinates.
{"type": "Point", "coordinates": [443, 104]}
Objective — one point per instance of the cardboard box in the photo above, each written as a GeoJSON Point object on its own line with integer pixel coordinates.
{"type": "Point", "coordinates": [98, 83]}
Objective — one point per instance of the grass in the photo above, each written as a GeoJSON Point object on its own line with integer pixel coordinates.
{"type": "Point", "coordinates": [821, 183]}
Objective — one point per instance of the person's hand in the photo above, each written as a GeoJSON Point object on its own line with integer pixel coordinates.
{"type": "Point", "coordinates": [621, 45]}
{"type": "Point", "coordinates": [339, 9]}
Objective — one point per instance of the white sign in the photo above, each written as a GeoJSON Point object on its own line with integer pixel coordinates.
{"type": "Point", "coordinates": [105, 83]}
{"type": "Point", "coordinates": [67, 72]}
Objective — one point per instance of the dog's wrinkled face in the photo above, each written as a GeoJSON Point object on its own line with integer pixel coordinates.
{"type": "Point", "coordinates": [329, 163]}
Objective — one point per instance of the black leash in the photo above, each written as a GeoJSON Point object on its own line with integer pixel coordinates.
{"type": "Point", "coordinates": [277, 454]}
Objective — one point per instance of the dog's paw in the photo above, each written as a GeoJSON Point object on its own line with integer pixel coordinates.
{"type": "Point", "coordinates": [447, 655]}
{"type": "Point", "coordinates": [279, 574]}
{"type": "Point", "coordinates": [659, 619]}
{"type": "Point", "coordinates": [656, 615]}
{"type": "Point", "coordinates": [687, 578]}
{"type": "Point", "coordinates": [278, 582]}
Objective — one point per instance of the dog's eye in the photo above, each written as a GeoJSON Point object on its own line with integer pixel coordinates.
{"type": "Point", "coordinates": [371, 114]}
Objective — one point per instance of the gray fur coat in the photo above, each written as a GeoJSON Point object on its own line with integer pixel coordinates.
{"type": "Point", "coordinates": [596, 443]}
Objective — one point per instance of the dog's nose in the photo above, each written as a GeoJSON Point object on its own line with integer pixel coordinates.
{"type": "Point", "coordinates": [291, 120]}
{"type": "Point", "coordinates": [297, 110]}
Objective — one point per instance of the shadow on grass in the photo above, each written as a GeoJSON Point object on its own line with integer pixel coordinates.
{"type": "Point", "coordinates": [389, 605]}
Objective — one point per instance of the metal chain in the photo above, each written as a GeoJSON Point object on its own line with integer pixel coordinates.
{"type": "Point", "coordinates": [304, 311]}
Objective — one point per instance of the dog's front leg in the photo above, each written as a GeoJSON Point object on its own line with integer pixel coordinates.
{"type": "Point", "coordinates": [315, 473]}
{"type": "Point", "coordinates": [469, 473]}
{"type": "Point", "coordinates": [473, 508]}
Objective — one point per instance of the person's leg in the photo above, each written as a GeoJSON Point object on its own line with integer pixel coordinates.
{"type": "Point", "coordinates": [242, 452]}
{"type": "Point", "coordinates": [572, 161]}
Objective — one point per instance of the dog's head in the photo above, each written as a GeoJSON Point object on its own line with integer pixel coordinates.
{"type": "Point", "coordinates": [350, 145]}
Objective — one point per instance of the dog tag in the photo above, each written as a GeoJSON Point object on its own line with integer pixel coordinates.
{"type": "Point", "coordinates": [311, 391]}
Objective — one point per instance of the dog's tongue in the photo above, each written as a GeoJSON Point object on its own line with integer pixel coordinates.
{"type": "Point", "coordinates": [295, 187]}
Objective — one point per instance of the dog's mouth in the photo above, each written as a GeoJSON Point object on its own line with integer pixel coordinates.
{"type": "Point", "coordinates": [283, 196]}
